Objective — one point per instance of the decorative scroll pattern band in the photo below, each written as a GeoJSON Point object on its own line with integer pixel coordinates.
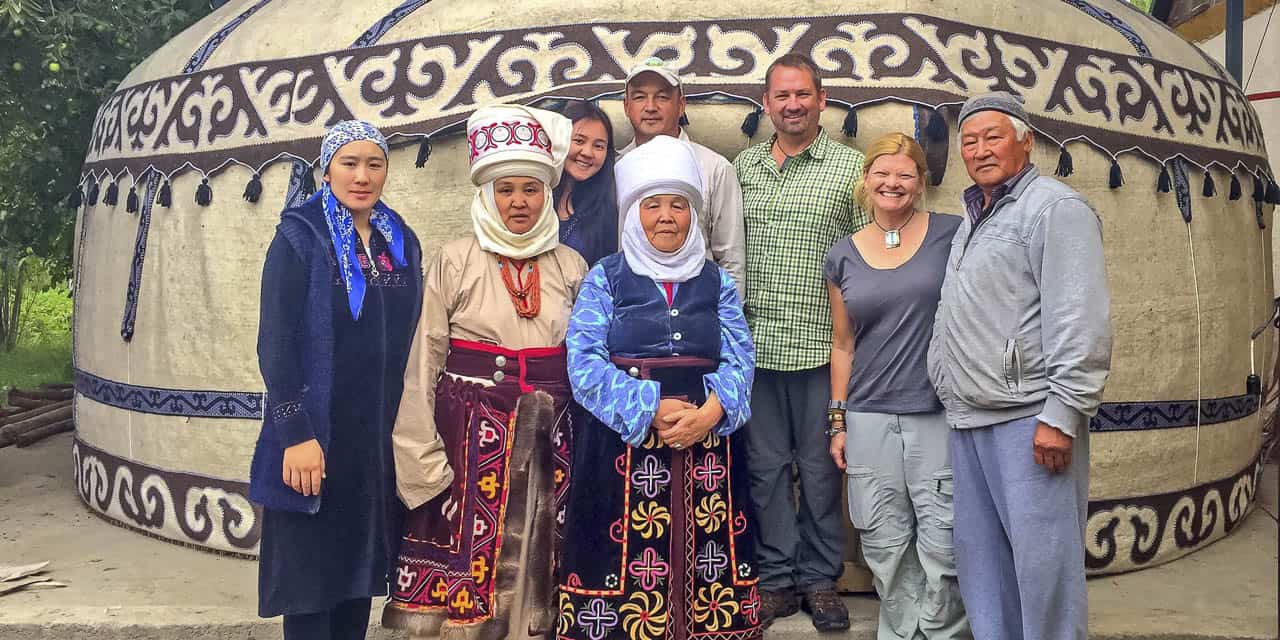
{"type": "Point", "coordinates": [1121, 535]}
{"type": "Point", "coordinates": [1112, 416]}
{"type": "Point", "coordinates": [182, 507]}
{"type": "Point", "coordinates": [1134, 533]}
{"type": "Point", "coordinates": [1116, 23]}
{"type": "Point", "coordinates": [134, 290]}
{"type": "Point", "coordinates": [1171, 414]}
{"type": "Point", "coordinates": [259, 112]}
{"type": "Point", "coordinates": [375, 33]}
{"type": "Point", "coordinates": [169, 402]}
{"type": "Point", "coordinates": [197, 60]}
{"type": "Point", "coordinates": [295, 193]}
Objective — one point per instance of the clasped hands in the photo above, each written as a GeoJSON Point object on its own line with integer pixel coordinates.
{"type": "Point", "coordinates": [680, 424]}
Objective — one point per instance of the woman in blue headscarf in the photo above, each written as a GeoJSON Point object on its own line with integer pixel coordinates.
{"type": "Point", "coordinates": [341, 290]}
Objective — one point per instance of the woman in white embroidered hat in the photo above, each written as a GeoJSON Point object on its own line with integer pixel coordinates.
{"type": "Point", "coordinates": [481, 443]}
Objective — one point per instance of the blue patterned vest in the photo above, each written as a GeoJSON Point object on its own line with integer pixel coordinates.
{"type": "Point", "coordinates": [645, 327]}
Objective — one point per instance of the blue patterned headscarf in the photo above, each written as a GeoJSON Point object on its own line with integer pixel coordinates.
{"type": "Point", "coordinates": [342, 230]}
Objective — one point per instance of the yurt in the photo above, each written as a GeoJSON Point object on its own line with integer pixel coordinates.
{"type": "Point", "coordinates": [194, 156]}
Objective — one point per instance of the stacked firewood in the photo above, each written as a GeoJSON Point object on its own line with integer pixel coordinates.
{"type": "Point", "coordinates": [36, 414]}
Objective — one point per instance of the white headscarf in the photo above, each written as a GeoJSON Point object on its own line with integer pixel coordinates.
{"type": "Point", "coordinates": [661, 166]}
{"type": "Point", "coordinates": [507, 141]}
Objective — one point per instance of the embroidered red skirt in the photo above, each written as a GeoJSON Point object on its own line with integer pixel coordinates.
{"type": "Point", "coordinates": [476, 562]}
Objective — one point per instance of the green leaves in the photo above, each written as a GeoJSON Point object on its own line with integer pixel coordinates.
{"type": "Point", "coordinates": [62, 60]}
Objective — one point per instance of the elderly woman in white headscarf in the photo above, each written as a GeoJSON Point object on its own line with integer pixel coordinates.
{"type": "Point", "coordinates": [479, 442]}
{"type": "Point", "coordinates": [661, 361]}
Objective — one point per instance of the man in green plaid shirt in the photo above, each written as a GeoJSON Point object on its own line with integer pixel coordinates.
{"type": "Point", "coordinates": [797, 191]}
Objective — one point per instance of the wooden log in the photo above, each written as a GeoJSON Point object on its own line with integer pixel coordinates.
{"type": "Point", "coordinates": [29, 403]}
{"type": "Point", "coordinates": [42, 394]}
{"type": "Point", "coordinates": [40, 433]}
{"type": "Point", "coordinates": [57, 385]}
{"type": "Point", "coordinates": [8, 411]}
{"type": "Point", "coordinates": [25, 414]}
{"type": "Point", "coordinates": [10, 432]}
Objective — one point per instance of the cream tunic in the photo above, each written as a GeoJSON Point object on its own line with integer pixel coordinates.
{"type": "Point", "coordinates": [464, 298]}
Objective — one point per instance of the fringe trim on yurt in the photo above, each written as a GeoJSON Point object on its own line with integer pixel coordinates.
{"type": "Point", "coordinates": [253, 190]}
{"type": "Point", "coordinates": [204, 193]}
{"type": "Point", "coordinates": [1116, 179]}
{"type": "Point", "coordinates": [424, 152]}
{"type": "Point", "coordinates": [751, 123]}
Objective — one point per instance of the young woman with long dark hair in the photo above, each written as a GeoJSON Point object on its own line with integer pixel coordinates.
{"type": "Point", "coordinates": [584, 199]}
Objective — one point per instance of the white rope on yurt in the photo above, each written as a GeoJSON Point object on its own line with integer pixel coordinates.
{"type": "Point", "coordinates": [1195, 286]}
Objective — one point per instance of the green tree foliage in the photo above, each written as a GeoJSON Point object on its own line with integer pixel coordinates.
{"type": "Point", "coordinates": [61, 60]}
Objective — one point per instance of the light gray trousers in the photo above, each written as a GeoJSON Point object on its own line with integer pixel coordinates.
{"type": "Point", "coordinates": [1020, 534]}
{"type": "Point", "coordinates": [900, 483]}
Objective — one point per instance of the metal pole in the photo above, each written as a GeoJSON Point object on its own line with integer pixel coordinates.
{"type": "Point", "coordinates": [1235, 39]}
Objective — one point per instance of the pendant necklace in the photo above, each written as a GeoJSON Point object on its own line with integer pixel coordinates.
{"type": "Point", "coordinates": [893, 237]}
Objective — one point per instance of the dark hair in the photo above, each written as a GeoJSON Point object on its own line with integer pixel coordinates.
{"type": "Point", "coordinates": [594, 199]}
{"type": "Point", "coordinates": [795, 61]}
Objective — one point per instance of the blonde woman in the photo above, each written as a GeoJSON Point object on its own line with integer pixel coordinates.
{"type": "Point", "coordinates": [887, 427]}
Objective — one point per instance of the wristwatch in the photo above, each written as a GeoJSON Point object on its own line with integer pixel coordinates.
{"type": "Point", "coordinates": [837, 404]}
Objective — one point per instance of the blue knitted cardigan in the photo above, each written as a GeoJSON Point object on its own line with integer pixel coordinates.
{"type": "Point", "coordinates": [295, 354]}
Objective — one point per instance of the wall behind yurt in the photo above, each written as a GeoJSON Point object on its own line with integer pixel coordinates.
{"type": "Point", "coordinates": [222, 124]}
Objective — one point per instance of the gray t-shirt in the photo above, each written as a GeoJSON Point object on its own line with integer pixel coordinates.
{"type": "Point", "coordinates": [892, 311]}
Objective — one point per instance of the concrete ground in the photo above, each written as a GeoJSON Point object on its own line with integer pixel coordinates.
{"type": "Point", "coordinates": [124, 585]}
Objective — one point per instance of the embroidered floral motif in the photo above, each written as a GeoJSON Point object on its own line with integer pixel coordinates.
{"type": "Point", "coordinates": [709, 472]}
{"type": "Point", "coordinates": [751, 605]}
{"type": "Point", "coordinates": [714, 608]}
{"type": "Point", "coordinates": [597, 619]}
{"type": "Point", "coordinates": [649, 570]}
{"type": "Point", "coordinates": [565, 621]}
{"type": "Point", "coordinates": [650, 519]}
{"type": "Point", "coordinates": [286, 410]}
{"type": "Point", "coordinates": [711, 561]}
{"type": "Point", "coordinates": [711, 513]}
{"type": "Point", "coordinates": [644, 615]}
{"type": "Point", "coordinates": [651, 478]}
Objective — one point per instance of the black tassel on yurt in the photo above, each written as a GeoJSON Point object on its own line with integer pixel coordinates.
{"type": "Point", "coordinates": [684, 120]}
{"type": "Point", "coordinates": [131, 202]}
{"type": "Point", "coordinates": [93, 194]}
{"type": "Point", "coordinates": [1164, 184]}
{"type": "Point", "coordinates": [424, 152]}
{"type": "Point", "coordinates": [1234, 193]}
{"type": "Point", "coordinates": [1273, 192]}
{"type": "Point", "coordinates": [112, 196]}
{"type": "Point", "coordinates": [1210, 189]}
{"type": "Point", "coordinates": [165, 199]}
{"type": "Point", "coordinates": [75, 198]}
{"type": "Point", "coordinates": [1259, 191]}
{"type": "Point", "coordinates": [850, 125]}
{"type": "Point", "coordinates": [751, 123]}
{"type": "Point", "coordinates": [204, 193]}
{"type": "Point", "coordinates": [936, 128]}
{"type": "Point", "coordinates": [253, 190]}
{"type": "Point", "coordinates": [1066, 166]}
{"type": "Point", "coordinates": [308, 181]}
{"type": "Point", "coordinates": [1116, 179]}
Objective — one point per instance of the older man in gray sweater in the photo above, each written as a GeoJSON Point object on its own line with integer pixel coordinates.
{"type": "Point", "coordinates": [1020, 353]}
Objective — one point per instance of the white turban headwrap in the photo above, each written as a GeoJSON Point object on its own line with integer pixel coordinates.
{"type": "Point", "coordinates": [506, 141]}
{"type": "Point", "coordinates": [661, 166]}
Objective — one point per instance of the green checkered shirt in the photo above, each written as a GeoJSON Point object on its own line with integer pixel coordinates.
{"type": "Point", "coordinates": [794, 216]}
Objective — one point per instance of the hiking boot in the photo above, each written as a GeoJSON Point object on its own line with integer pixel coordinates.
{"type": "Point", "coordinates": [777, 604]}
{"type": "Point", "coordinates": [827, 609]}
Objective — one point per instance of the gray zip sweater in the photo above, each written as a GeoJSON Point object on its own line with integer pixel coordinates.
{"type": "Point", "coordinates": [1024, 325]}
